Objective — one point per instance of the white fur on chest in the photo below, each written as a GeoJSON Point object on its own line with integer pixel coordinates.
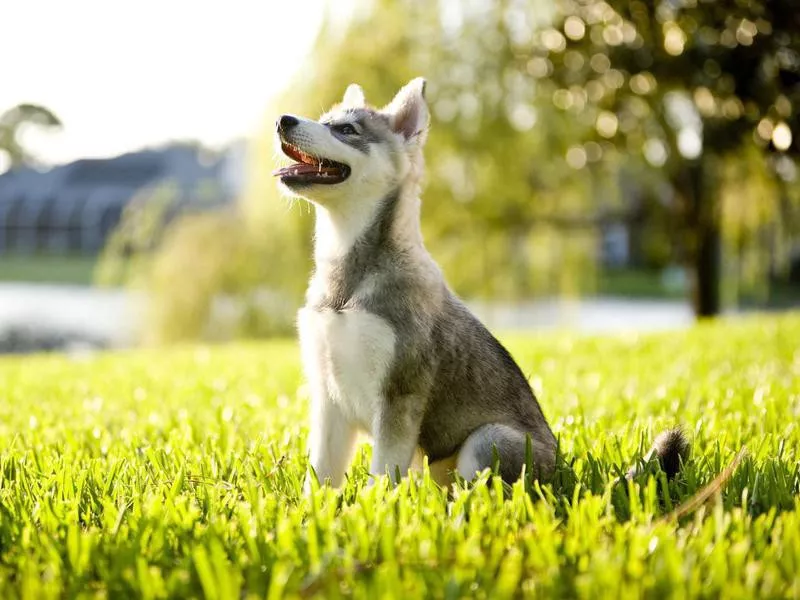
{"type": "Point", "coordinates": [347, 354]}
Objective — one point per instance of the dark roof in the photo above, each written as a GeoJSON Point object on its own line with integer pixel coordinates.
{"type": "Point", "coordinates": [120, 177]}
{"type": "Point", "coordinates": [129, 170]}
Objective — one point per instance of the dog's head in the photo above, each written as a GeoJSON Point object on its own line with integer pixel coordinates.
{"type": "Point", "coordinates": [354, 150]}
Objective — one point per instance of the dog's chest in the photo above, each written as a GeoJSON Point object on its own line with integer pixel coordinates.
{"type": "Point", "coordinates": [348, 355]}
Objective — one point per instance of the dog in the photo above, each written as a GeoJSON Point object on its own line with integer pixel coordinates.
{"type": "Point", "coordinates": [387, 347]}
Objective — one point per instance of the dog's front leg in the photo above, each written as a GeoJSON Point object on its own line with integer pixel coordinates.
{"type": "Point", "coordinates": [330, 442]}
{"type": "Point", "coordinates": [395, 435]}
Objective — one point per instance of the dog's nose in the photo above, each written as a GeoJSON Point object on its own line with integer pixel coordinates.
{"type": "Point", "coordinates": [286, 122]}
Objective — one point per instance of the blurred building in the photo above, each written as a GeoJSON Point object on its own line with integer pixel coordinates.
{"type": "Point", "coordinates": [74, 207]}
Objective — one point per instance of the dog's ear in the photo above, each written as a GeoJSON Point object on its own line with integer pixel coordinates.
{"type": "Point", "coordinates": [408, 112]}
{"type": "Point", "coordinates": [353, 97]}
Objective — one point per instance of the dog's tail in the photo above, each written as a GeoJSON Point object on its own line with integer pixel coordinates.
{"type": "Point", "coordinates": [671, 448]}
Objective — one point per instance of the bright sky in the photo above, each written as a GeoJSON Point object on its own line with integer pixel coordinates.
{"type": "Point", "coordinates": [126, 74]}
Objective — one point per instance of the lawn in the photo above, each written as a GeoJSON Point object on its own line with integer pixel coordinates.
{"type": "Point", "coordinates": [177, 473]}
{"type": "Point", "coordinates": [47, 268]}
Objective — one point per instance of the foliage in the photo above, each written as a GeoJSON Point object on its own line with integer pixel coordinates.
{"type": "Point", "coordinates": [12, 123]}
{"type": "Point", "coordinates": [129, 249]}
{"type": "Point", "coordinates": [48, 268]}
{"type": "Point", "coordinates": [647, 75]}
{"type": "Point", "coordinates": [691, 88]}
{"type": "Point", "coordinates": [177, 472]}
{"type": "Point", "coordinates": [202, 273]}
{"type": "Point", "coordinates": [226, 267]}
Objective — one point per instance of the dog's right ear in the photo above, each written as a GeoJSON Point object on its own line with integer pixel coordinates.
{"type": "Point", "coordinates": [408, 112]}
{"type": "Point", "coordinates": [354, 97]}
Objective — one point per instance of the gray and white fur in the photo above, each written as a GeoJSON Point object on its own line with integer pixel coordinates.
{"type": "Point", "coordinates": [387, 348]}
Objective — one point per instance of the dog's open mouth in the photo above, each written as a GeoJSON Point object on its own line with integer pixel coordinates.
{"type": "Point", "coordinates": [310, 169]}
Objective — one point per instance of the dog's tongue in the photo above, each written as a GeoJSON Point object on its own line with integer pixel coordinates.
{"type": "Point", "coordinates": [302, 169]}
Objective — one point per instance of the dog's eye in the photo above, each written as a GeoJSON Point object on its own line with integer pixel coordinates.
{"type": "Point", "coordinates": [345, 129]}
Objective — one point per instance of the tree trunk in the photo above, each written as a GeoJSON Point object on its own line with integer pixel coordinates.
{"type": "Point", "coordinates": [703, 239]}
{"type": "Point", "coordinates": [706, 272]}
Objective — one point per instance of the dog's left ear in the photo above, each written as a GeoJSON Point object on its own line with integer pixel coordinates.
{"type": "Point", "coordinates": [408, 112]}
{"type": "Point", "coordinates": [354, 97]}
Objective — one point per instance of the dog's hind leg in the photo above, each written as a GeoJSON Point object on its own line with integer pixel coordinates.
{"type": "Point", "coordinates": [509, 445]}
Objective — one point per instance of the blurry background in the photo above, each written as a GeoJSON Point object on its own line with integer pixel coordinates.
{"type": "Point", "coordinates": [594, 165]}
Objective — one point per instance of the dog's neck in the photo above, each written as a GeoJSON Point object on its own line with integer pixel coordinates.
{"type": "Point", "coordinates": [393, 219]}
{"type": "Point", "coordinates": [353, 247]}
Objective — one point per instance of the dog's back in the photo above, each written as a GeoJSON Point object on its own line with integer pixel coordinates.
{"type": "Point", "coordinates": [480, 396]}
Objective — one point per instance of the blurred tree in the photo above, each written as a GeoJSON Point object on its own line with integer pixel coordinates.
{"type": "Point", "coordinates": [200, 273]}
{"type": "Point", "coordinates": [498, 174]}
{"type": "Point", "coordinates": [126, 257]}
{"type": "Point", "coordinates": [13, 121]}
{"type": "Point", "coordinates": [687, 85]}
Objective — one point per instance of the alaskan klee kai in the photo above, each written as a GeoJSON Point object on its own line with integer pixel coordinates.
{"type": "Point", "coordinates": [387, 348]}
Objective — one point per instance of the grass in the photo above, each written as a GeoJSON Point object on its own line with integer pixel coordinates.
{"type": "Point", "coordinates": [636, 283]}
{"type": "Point", "coordinates": [45, 268]}
{"type": "Point", "coordinates": [177, 473]}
